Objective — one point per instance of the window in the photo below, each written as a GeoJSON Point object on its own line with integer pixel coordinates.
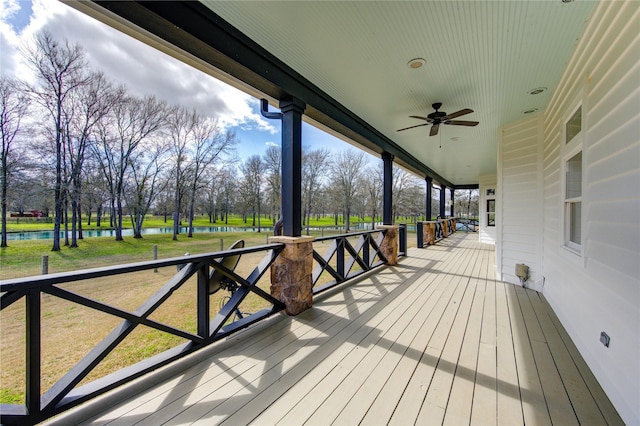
{"type": "Point", "coordinates": [573, 126]}
{"type": "Point", "coordinates": [573, 200]}
{"type": "Point", "coordinates": [491, 212]}
{"type": "Point", "coordinates": [573, 181]}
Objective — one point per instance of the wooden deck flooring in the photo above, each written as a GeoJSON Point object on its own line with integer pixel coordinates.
{"type": "Point", "coordinates": [435, 340]}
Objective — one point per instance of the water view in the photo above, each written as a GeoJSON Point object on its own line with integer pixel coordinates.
{"type": "Point", "coordinates": [48, 235]}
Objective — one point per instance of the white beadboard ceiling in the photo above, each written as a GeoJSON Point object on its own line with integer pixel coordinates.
{"type": "Point", "coordinates": [483, 55]}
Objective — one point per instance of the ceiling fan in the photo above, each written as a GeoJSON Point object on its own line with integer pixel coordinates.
{"type": "Point", "coordinates": [440, 117]}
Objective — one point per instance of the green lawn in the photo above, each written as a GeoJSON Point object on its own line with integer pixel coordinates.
{"type": "Point", "coordinates": [64, 324]}
{"type": "Point", "coordinates": [23, 258]}
{"type": "Point", "coordinates": [28, 224]}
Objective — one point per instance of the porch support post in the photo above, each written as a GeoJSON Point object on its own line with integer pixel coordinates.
{"type": "Point", "coordinates": [292, 110]}
{"type": "Point", "coordinates": [443, 195]}
{"type": "Point", "coordinates": [429, 181]}
{"type": "Point", "coordinates": [452, 201]}
{"type": "Point", "coordinates": [387, 198]}
{"type": "Point", "coordinates": [291, 273]}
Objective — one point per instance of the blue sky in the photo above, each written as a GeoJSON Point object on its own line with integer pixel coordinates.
{"type": "Point", "coordinates": [147, 71]}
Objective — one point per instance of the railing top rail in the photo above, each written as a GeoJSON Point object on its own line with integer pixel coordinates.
{"type": "Point", "coordinates": [70, 276]}
{"type": "Point", "coordinates": [438, 220]}
{"type": "Point", "coordinates": [349, 234]}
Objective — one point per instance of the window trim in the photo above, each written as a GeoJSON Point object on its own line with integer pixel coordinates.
{"type": "Point", "coordinates": [569, 150]}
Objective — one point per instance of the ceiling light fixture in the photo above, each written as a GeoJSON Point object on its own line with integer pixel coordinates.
{"type": "Point", "coordinates": [537, 90]}
{"type": "Point", "coordinates": [416, 63]}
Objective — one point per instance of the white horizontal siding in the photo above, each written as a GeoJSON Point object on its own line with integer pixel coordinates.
{"type": "Point", "coordinates": [521, 224]}
{"type": "Point", "coordinates": [600, 291]}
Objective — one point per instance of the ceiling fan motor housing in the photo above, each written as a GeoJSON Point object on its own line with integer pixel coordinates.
{"type": "Point", "coordinates": [437, 116]}
{"type": "Point", "coordinates": [440, 117]}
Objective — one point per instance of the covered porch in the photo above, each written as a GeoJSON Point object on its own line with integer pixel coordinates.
{"type": "Point", "coordinates": [435, 339]}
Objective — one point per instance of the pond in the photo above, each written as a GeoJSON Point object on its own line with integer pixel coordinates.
{"type": "Point", "coordinates": [48, 235]}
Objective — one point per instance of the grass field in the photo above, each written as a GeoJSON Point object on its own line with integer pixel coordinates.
{"type": "Point", "coordinates": [77, 329]}
{"type": "Point", "coordinates": [29, 224]}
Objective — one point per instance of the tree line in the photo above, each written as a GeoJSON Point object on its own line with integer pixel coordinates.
{"type": "Point", "coordinates": [76, 144]}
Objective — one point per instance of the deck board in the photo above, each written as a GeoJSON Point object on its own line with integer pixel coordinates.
{"type": "Point", "coordinates": [508, 390]}
{"type": "Point", "coordinates": [433, 340]}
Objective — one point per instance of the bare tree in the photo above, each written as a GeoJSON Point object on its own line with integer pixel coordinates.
{"type": "Point", "coordinates": [60, 70]}
{"type": "Point", "coordinates": [406, 190]}
{"type": "Point", "coordinates": [95, 194]}
{"type": "Point", "coordinates": [252, 171]}
{"type": "Point", "coordinates": [144, 182]}
{"type": "Point", "coordinates": [466, 202]}
{"type": "Point", "coordinates": [164, 200]}
{"type": "Point", "coordinates": [314, 172]}
{"type": "Point", "coordinates": [208, 143]}
{"type": "Point", "coordinates": [210, 194]}
{"type": "Point", "coordinates": [130, 121]}
{"type": "Point", "coordinates": [371, 183]}
{"type": "Point", "coordinates": [273, 169]}
{"type": "Point", "coordinates": [228, 181]}
{"type": "Point", "coordinates": [179, 127]}
{"type": "Point", "coordinates": [346, 169]}
{"type": "Point", "coordinates": [14, 107]}
{"type": "Point", "coordinates": [86, 106]}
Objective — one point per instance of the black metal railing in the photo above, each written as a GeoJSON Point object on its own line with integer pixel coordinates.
{"type": "Point", "coordinates": [64, 394]}
{"type": "Point", "coordinates": [344, 260]}
{"type": "Point", "coordinates": [438, 231]}
{"type": "Point", "coordinates": [402, 240]}
{"type": "Point", "coordinates": [469, 225]}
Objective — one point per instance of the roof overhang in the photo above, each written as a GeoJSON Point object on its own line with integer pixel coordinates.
{"type": "Point", "coordinates": [271, 49]}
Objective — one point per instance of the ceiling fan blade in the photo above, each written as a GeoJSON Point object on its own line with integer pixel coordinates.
{"type": "Point", "coordinates": [419, 118]}
{"type": "Point", "coordinates": [411, 127]}
{"type": "Point", "coordinates": [434, 130]}
{"type": "Point", "coordinates": [458, 113]}
{"type": "Point", "coordinates": [461, 123]}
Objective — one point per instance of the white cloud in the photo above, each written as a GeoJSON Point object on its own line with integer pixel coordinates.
{"type": "Point", "coordinates": [269, 143]}
{"type": "Point", "coordinates": [125, 60]}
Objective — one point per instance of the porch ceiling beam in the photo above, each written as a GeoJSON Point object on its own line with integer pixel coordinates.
{"type": "Point", "coordinates": [197, 30]}
{"type": "Point", "coordinates": [468, 186]}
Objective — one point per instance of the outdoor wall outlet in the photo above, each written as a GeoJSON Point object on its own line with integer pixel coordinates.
{"type": "Point", "coordinates": [605, 339]}
{"type": "Point", "coordinates": [522, 271]}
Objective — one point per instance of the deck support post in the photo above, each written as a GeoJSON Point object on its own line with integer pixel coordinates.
{"type": "Point", "coordinates": [443, 195]}
{"type": "Point", "coordinates": [428, 196]}
{"type": "Point", "coordinates": [291, 273]}
{"type": "Point", "coordinates": [292, 110]}
{"type": "Point", "coordinates": [387, 197]}
{"type": "Point", "coordinates": [33, 354]}
{"type": "Point", "coordinates": [390, 243]}
{"type": "Point", "coordinates": [453, 190]}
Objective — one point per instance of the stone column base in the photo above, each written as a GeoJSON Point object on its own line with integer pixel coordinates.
{"type": "Point", "coordinates": [389, 245]}
{"type": "Point", "coordinates": [291, 274]}
{"type": "Point", "coordinates": [429, 233]}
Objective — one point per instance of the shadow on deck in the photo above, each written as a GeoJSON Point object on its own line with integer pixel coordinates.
{"type": "Point", "coordinates": [434, 340]}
